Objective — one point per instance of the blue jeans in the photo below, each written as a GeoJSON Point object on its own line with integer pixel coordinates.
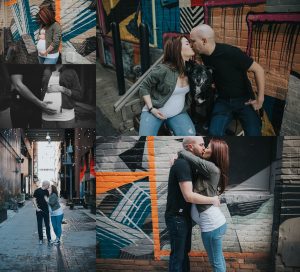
{"type": "Point", "coordinates": [212, 241]}
{"type": "Point", "coordinates": [180, 232]}
{"type": "Point", "coordinates": [181, 124]}
{"type": "Point", "coordinates": [56, 224]}
{"type": "Point", "coordinates": [226, 109]}
{"type": "Point", "coordinates": [43, 60]}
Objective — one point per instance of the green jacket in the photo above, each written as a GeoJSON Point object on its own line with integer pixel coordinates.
{"type": "Point", "coordinates": [53, 37]}
{"type": "Point", "coordinates": [160, 84]}
{"type": "Point", "coordinates": [208, 176]}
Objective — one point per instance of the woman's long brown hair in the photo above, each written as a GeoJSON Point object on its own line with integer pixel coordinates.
{"type": "Point", "coordinates": [46, 16]}
{"type": "Point", "coordinates": [172, 53]}
{"type": "Point", "coordinates": [220, 157]}
{"type": "Point", "coordinates": [54, 189]}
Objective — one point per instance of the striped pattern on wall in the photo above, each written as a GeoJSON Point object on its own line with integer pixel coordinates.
{"type": "Point", "coordinates": [190, 17]}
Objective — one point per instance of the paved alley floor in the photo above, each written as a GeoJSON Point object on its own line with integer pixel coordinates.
{"type": "Point", "coordinates": [108, 121]}
{"type": "Point", "coordinates": [20, 250]}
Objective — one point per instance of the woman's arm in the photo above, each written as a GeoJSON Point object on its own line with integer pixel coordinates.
{"type": "Point", "coordinates": [204, 166]}
{"type": "Point", "coordinates": [70, 84]}
{"type": "Point", "coordinates": [56, 38]}
{"type": "Point", "coordinates": [152, 110]}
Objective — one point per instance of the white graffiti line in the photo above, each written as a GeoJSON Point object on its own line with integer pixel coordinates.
{"type": "Point", "coordinates": [118, 228]}
{"type": "Point", "coordinates": [138, 211]}
{"type": "Point", "coordinates": [130, 197]}
{"type": "Point", "coordinates": [17, 21]}
{"type": "Point", "coordinates": [146, 236]}
{"type": "Point", "coordinates": [139, 188]}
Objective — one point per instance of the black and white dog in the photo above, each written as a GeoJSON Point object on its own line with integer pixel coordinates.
{"type": "Point", "coordinates": [200, 81]}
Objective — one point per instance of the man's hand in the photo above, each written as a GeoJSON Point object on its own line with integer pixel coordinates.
{"type": "Point", "coordinates": [46, 109]}
{"type": "Point", "coordinates": [158, 114]}
{"type": "Point", "coordinates": [216, 201]}
{"type": "Point", "coordinates": [38, 209]}
{"type": "Point", "coordinates": [256, 104]}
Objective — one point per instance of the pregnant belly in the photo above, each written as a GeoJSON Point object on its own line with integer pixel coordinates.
{"type": "Point", "coordinates": [53, 100]}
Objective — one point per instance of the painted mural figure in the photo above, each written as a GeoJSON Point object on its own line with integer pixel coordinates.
{"type": "Point", "coordinates": [165, 92]}
{"type": "Point", "coordinates": [212, 166]}
{"type": "Point", "coordinates": [178, 209]}
{"type": "Point", "coordinates": [49, 36]}
{"type": "Point", "coordinates": [42, 210]}
{"type": "Point", "coordinates": [235, 96]}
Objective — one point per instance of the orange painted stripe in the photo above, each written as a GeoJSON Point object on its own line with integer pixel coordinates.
{"type": "Point", "coordinates": [153, 195]}
{"type": "Point", "coordinates": [57, 10]}
{"type": "Point", "coordinates": [106, 181]}
{"type": "Point", "coordinates": [10, 3]}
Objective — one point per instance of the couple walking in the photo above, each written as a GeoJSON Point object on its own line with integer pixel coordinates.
{"type": "Point", "coordinates": [167, 95]}
{"type": "Point", "coordinates": [46, 201]}
{"type": "Point", "coordinates": [196, 179]}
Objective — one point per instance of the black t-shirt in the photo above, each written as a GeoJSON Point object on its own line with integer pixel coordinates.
{"type": "Point", "coordinates": [32, 77]}
{"type": "Point", "coordinates": [230, 65]}
{"type": "Point", "coordinates": [176, 205]}
{"type": "Point", "coordinates": [40, 194]}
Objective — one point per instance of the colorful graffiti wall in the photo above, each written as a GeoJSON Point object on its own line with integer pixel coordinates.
{"type": "Point", "coordinates": [77, 19]}
{"type": "Point", "coordinates": [132, 175]}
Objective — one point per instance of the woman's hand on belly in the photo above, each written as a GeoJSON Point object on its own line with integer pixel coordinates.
{"type": "Point", "coordinates": [55, 89]}
{"type": "Point", "coordinates": [158, 114]}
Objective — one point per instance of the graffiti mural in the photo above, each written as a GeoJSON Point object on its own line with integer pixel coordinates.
{"type": "Point", "coordinates": [132, 175]}
{"type": "Point", "coordinates": [77, 19]}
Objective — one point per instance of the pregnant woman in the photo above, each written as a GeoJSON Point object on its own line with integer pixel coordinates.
{"type": "Point", "coordinates": [165, 92]}
{"type": "Point", "coordinates": [61, 88]}
{"type": "Point", "coordinates": [212, 180]}
{"type": "Point", "coordinates": [49, 36]}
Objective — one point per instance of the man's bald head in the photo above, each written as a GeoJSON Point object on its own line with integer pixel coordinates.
{"type": "Point", "coordinates": [203, 39]}
{"type": "Point", "coordinates": [203, 31]}
{"type": "Point", "coordinates": [194, 144]}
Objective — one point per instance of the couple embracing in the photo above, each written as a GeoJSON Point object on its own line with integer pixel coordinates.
{"type": "Point", "coordinates": [46, 202]}
{"type": "Point", "coordinates": [196, 179]}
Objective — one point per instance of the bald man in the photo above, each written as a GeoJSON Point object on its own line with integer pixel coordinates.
{"type": "Point", "coordinates": [235, 97]}
{"type": "Point", "coordinates": [178, 209]}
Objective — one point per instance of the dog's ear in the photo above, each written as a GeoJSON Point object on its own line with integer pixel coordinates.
{"type": "Point", "coordinates": [189, 66]}
{"type": "Point", "coordinates": [210, 69]}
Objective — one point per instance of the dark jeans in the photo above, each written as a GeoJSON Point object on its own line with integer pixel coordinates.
{"type": "Point", "coordinates": [226, 109]}
{"type": "Point", "coordinates": [180, 231]}
{"type": "Point", "coordinates": [25, 115]}
{"type": "Point", "coordinates": [40, 216]}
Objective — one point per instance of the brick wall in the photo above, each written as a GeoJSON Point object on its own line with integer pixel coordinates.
{"type": "Point", "coordinates": [286, 231]}
{"type": "Point", "coordinates": [132, 176]}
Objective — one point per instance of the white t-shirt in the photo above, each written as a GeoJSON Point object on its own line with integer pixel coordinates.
{"type": "Point", "coordinates": [175, 103]}
{"type": "Point", "coordinates": [55, 100]}
{"type": "Point", "coordinates": [210, 219]}
{"type": "Point", "coordinates": [41, 46]}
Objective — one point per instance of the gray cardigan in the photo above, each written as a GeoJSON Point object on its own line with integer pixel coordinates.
{"type": "Point", "coordinates": [207, 179]}
{"type": "Point", "coordinates": [53, 36]}
{"type": "Point", "coordinates": [53, 202]}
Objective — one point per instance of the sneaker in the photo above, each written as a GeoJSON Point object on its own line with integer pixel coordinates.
{"type": "Point", "coordinates": [41, 242]}
{"type": "Point", "coordinates": [50, 243]}
{"type": "Point", "coordinates": [57, 242]}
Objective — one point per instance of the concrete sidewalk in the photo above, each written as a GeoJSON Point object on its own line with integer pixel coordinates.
{"type": "Point", "coordinates": [20, 250]}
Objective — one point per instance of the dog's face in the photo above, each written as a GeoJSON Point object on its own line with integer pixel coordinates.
{"type": "Point", "coordinates": [200, 79]}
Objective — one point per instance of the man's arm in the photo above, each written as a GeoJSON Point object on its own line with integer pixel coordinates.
{"type": "Point", "coordinates": [17, 81]}
{"type": "Point", "coordinates": [186, 188]}
{"type": "Point", "coordinates": [259, 75]}
{"type": "Point", "coordinates": [35, 205]}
